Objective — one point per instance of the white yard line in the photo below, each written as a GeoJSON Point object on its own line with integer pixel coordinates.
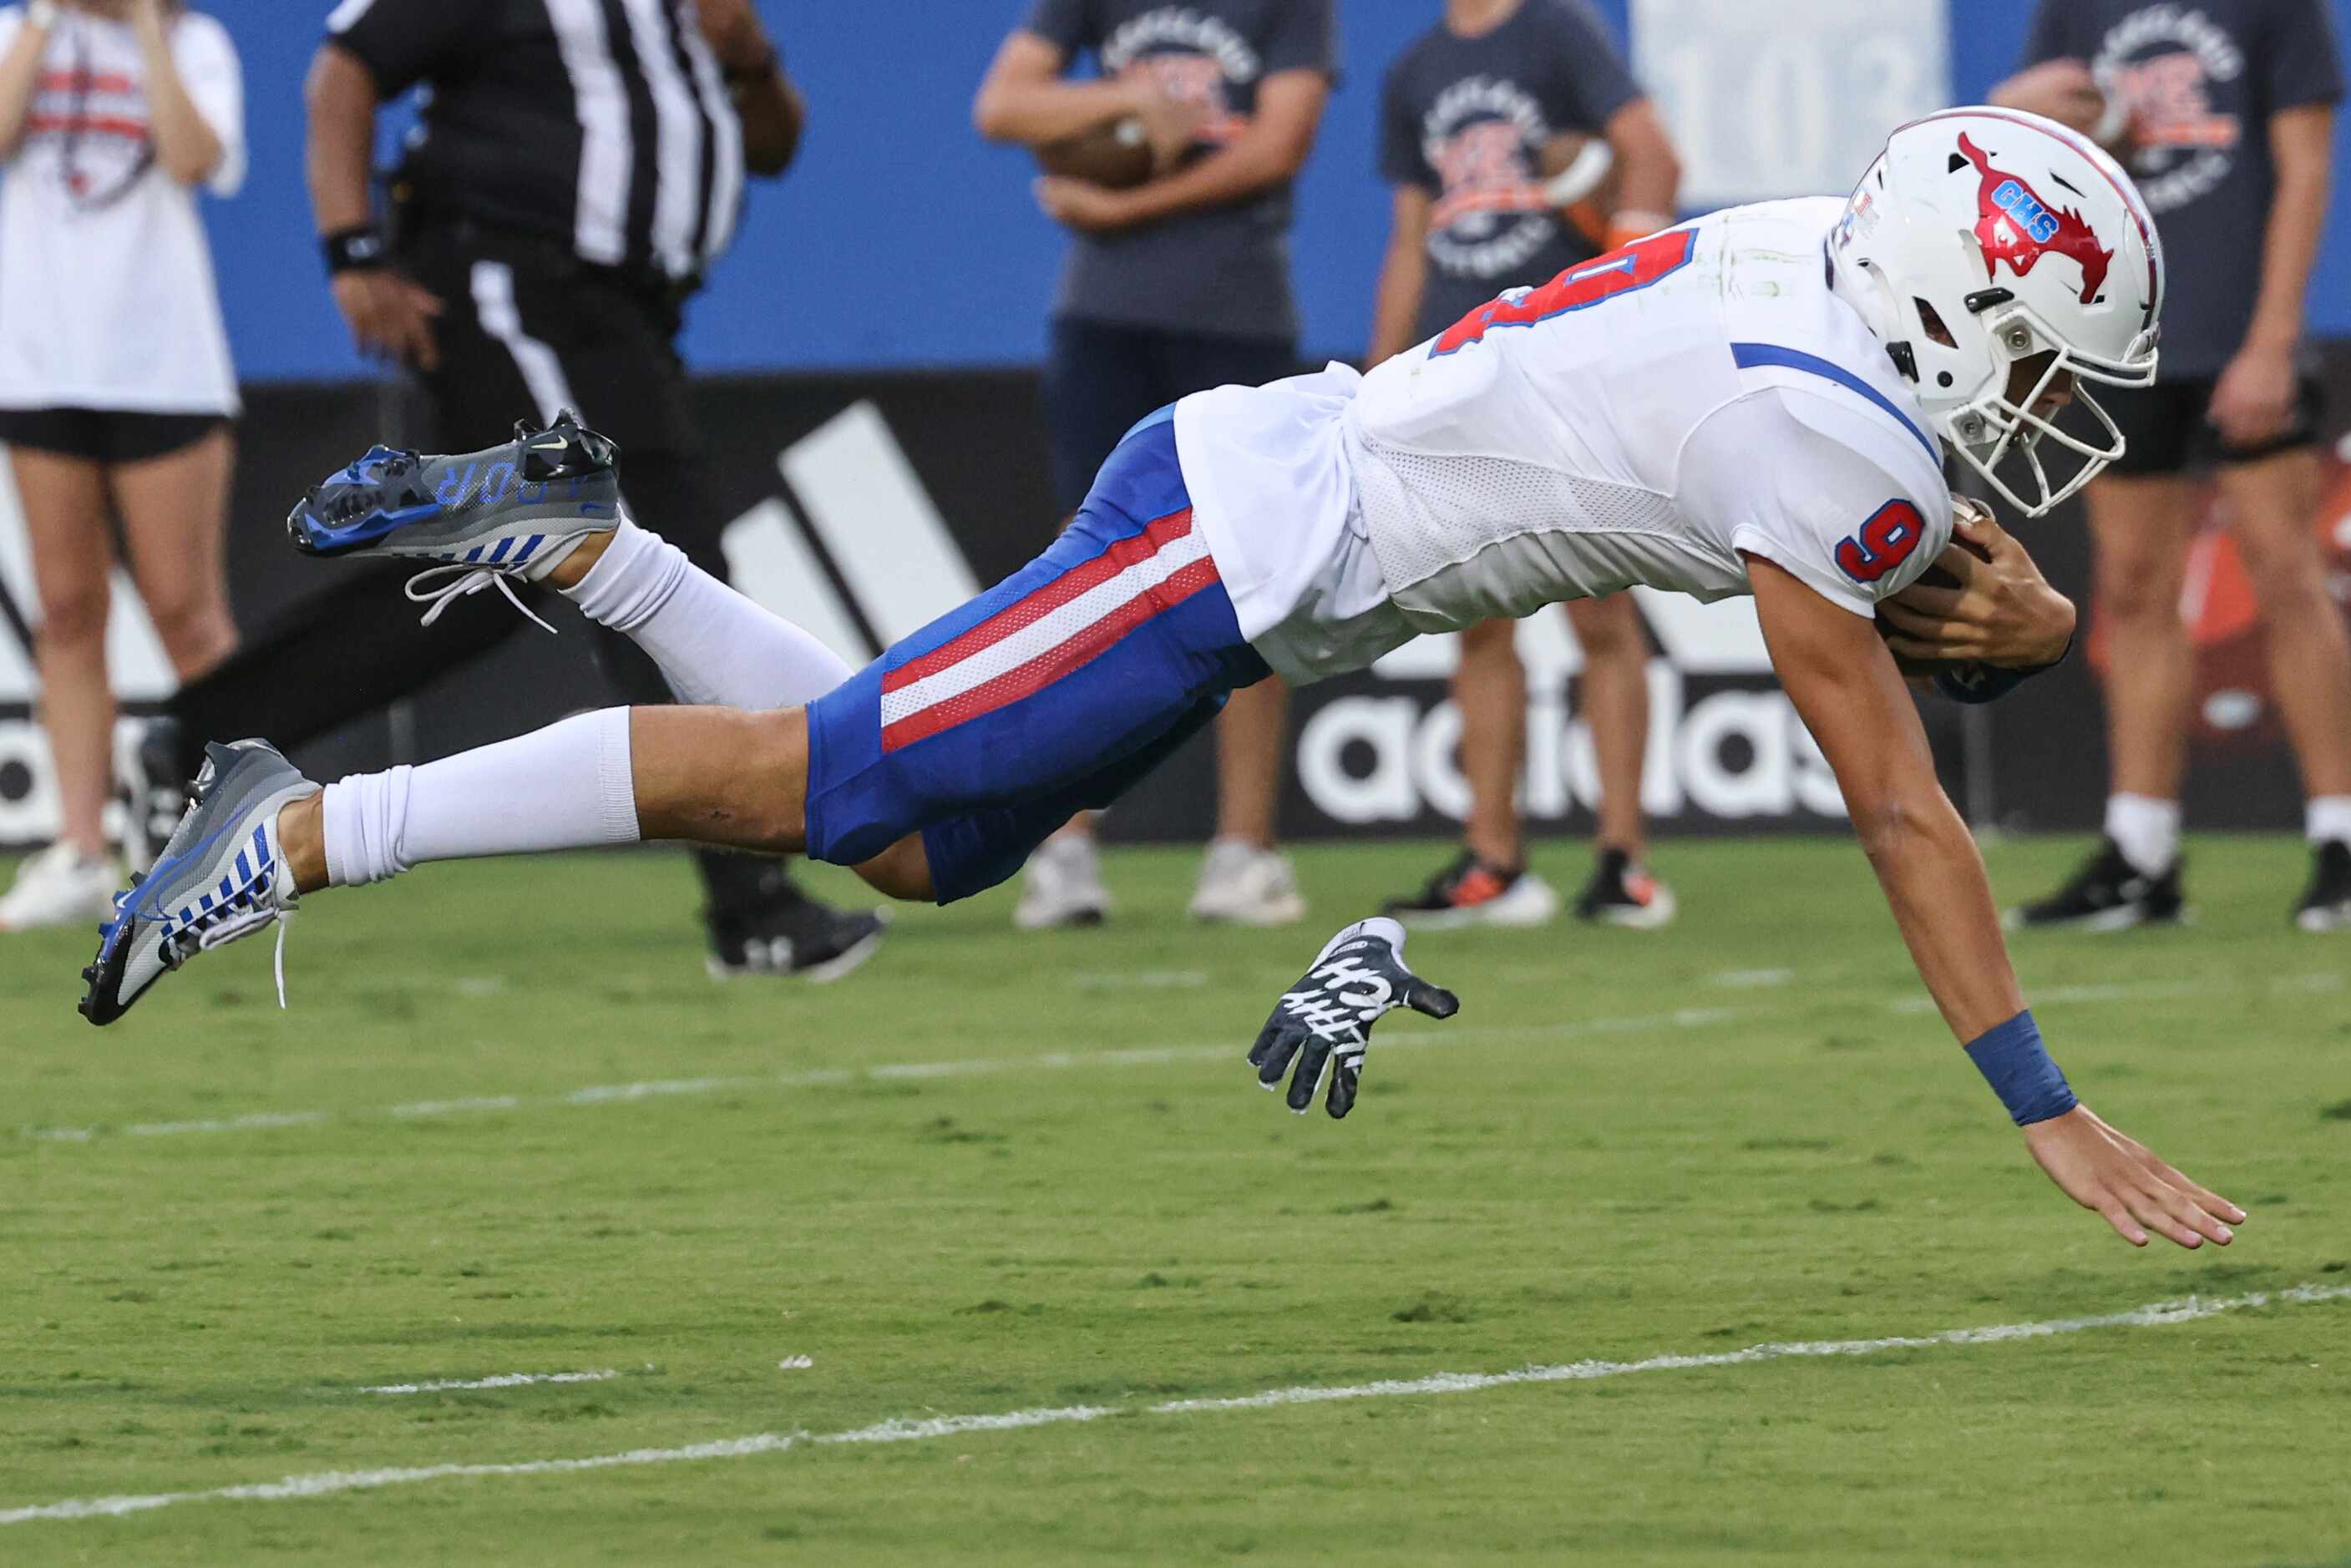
{"type": "Point", "coordinates": [1751, 979]}
{"type": "Point", "coordinates": [909, 1429]}
{"type": "Point", "coordinates": [503, 1380]}
{"type": "Point", "coordinates": [1136, 1057]}
{"type": "Point", "coordinates": [1051, 1061]}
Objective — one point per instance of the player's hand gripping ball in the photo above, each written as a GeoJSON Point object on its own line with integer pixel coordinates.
{"type": "Point", "coordinates": [1323, 1023]}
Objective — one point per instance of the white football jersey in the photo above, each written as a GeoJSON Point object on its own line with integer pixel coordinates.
{"type": "Point", "coordinates": [1642, 419]}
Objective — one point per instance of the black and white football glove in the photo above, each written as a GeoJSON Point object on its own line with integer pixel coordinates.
{"type": "Point", "coordinates": [1324, 1021]}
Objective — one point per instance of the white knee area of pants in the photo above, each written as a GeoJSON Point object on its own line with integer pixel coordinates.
{"type": "Point", "coordinates": [714, 646]}
{"type": "Point", "coordinates": [568, 786]}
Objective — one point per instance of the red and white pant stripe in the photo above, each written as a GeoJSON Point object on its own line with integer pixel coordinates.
{"type": "Point", "coordinates": [1047, 633]}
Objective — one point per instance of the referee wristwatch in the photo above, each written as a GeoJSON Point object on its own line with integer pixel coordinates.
{"type": "Point", "coordinates": [359, 248]}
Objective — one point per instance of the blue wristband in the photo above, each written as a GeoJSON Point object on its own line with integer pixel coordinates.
{"type": "Point", "coordinates": [2017, 1066]}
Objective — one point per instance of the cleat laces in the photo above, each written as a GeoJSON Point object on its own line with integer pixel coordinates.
{"type": "Point", "coordinates": [238, 925]}
{"type": "Point", "coordinates": [464, 581]}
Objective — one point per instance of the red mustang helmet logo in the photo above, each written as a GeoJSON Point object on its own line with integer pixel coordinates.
{"type": "Point", "coordinates": [2019, 228]}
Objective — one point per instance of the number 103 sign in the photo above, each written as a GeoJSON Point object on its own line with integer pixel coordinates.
{"type": "Point", "coordinates": [1790, 97]}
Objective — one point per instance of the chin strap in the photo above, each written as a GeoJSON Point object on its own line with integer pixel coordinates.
{"type": "Point", "coordinates": [424, 589]}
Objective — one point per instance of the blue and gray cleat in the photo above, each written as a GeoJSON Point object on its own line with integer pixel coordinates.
{"type": "Point", "coordinates": [481, 518]}
{"type": "Point", "coordinates": [220, 876]}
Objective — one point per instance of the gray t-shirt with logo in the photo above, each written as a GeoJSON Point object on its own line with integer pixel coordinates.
{"type": "Point", "coordinates": [1466, 120]}
{"type": "Point", "coordinates": [2203, 79]}
{"type": "Point", "coordinates": [1218, 269]}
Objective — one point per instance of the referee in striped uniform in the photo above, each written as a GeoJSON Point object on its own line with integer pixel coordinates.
{"type": "Point", "coordinates": [578, 167]}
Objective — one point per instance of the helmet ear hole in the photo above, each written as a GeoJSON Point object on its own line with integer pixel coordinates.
{"type": "Point", "coordinates": [1933, 321]}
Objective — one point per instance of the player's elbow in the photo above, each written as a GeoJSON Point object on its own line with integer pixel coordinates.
{"type": "Point", "coordinates": [994, 113]}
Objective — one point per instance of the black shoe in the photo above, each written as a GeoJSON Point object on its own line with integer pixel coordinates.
{"type": "Point", "coordinates": [789, 933]}
{"type": "Point", "coordinates": [2108, 894]}
{"type": "Point", "coordinates": [1623, 893]}
{"type": "Point", "coordinates": [1474, 892]}
{"type": "Point", "coordinates": [2328, 906]}
{"type": "Point", "coordinates": [151, 781]}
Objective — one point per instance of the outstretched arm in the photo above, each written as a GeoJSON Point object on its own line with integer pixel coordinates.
{"type": "Point", "coordinates": [1845, 686]}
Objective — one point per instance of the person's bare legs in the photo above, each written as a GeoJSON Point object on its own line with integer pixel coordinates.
{"type": "Point", "coordinates": [1616, 706]}
{"type": "Point", "coordinates": [2271, 503]}
{"type": "Point", "coordinates": [1491, 688]}
{"type": "Point", "coordinates": [174, 510]}
{"type": "Point", "coordinates": [724, 777]}
{"type": "Point", "coordinates": [1251, 736]}
{"type": "Point", "coordinates": [2140, 529]}
{"type": "Point", "coordinates": [65, 515]}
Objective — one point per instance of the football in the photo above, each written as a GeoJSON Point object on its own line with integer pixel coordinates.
{"type": "Point", "coordinates": [1934, 576]}
{"type": "Point", "coordinates": [1116, 155]}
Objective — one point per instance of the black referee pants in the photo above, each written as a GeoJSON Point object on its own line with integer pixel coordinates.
{"type": "Point", "coordinates": [525, 330]}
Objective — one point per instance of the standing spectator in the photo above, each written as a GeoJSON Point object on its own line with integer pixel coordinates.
{"type": "Point", "coordinates": [1176, 286]}
{"type": "Point", "coordinates": [117, 393]}
{"type": "Point", "coordinates": [1472, 116]}
{"type": "Point", "coordinates": [577, 168]}
{"type": "Point", "coordinates": [2226, 114]}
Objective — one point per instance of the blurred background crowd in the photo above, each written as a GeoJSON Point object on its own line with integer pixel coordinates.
{"type": "Point", "coordinates": [234, 250]}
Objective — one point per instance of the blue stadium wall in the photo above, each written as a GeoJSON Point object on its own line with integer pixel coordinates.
{"type": "Point", "coordinates": [900, 240]}
{"type": "Point", "coordinates": [883, 312]}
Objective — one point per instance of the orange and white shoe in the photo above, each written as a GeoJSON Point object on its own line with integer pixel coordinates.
{"type": "Point", "coordinates": [1623, 893]}
{"type": "Point", "coordinates": [1475, 892]}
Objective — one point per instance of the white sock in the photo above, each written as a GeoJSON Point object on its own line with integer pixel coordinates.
{"type": "Point", "coordinates": [2147, 830]}
{"type": "Point", "coordinates": [568, 786]}
{"type": "Point", "coordinates": [2328, 817]}
{"type": "Point", "coordinates": [714, 646]}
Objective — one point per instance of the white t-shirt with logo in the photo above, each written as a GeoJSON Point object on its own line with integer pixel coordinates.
{"type": "Point", "coordinates": [1647, 419]}
{"type": "Point", "coordinates": [107, 298]}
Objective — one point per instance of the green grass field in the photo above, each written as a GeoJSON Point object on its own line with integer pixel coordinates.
{"type": "Point", "coordinates": [510, 1127]}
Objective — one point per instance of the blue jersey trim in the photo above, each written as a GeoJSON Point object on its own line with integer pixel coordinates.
{"type": "Point", "coordinates": [1771, 356]}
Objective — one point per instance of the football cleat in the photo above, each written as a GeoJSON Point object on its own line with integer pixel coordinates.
{"type": "Point", "coordinates": [2327, 907]}
{"type": "Point", "coordinates": [1623, 893]}
{"type": "Point", "coordinates": [1472, 891]}
{"type": "Point", "coordinates": [2108, 894]}
{"type": "Point", "coordinates": [483, 518]}
{"type": "Point", "coordinates": [220, 877]}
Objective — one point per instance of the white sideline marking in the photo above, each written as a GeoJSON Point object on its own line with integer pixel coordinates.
{"type": "Point", "coordinates": [1751, 979]}
{"type": "Point", "coordinates": [327, 1483]}
{"type": "Point", "coordinates": [1139, 980]}
{"type": "Point", "coordinates": [1136, 1057]}
{"type": "Point", "coordinates": [830, 1077]}
{"type": "Point", "coordinates": [504, 1380]}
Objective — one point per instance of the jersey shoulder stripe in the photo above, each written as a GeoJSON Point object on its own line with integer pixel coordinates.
{"type": "Point", "coordinates": [1771, 355]}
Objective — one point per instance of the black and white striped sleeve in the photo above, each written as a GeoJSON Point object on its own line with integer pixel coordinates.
{"type": "Point", "coordinates": [402, 42]}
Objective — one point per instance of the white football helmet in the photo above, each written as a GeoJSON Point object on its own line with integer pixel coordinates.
{"type": "Point", "coordinates": [1984, 236]}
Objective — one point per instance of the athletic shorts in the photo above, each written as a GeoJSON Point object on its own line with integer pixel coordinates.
{"type": "Point", "coordinates": [105, 435]}
{"type": "Point", "coordinates": [2165, 431]}
{"type": "Point", "coordinates": [1051, 693]}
